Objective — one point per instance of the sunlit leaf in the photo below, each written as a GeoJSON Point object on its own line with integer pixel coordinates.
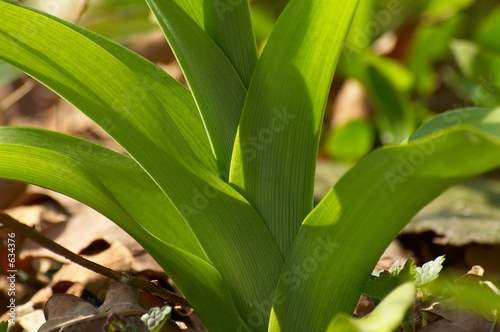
{"type": "Point", "coordinates": [377, 196]}
{"type": "Point", "coordinates": [386, 317]}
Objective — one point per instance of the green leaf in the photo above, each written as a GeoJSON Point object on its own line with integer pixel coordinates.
{"type": "Point", "coordinates": [430, 45]}
{"type": "Point", "coordinates": [429, 271]}
{"type": "Point", "coordinates": [350, 141]}
{"type": "Point", "coordinates": [156, 318]}
{"type": "Point", "coordinates": [393, 116]}
{"type": "Point", "coordinates": [137, 84]}
{"type": "Point", "coordinates": [263, 21]}
{"type": "Point", "coordinates": [4, 326]}
{"type": "Point", "coordinates": [481, 68]}
{"type": "Point", "coordinates": [141, 108]}
{"type": "Point", "coordinates": [483, 118]}
{"type": "Point", "coordinates": [386, 317]}
{"type": "Point", "coordinates": [358, 39]}
{"type": "Point", "coordinates": [139, 195]}
{"type": "Point", "coordinates": [487, 34]}
{"type": "Point", "coordinates": [277, 142]}
{"type": "Point", "coordinates": [229, 24]}
{"type": "Point", "coordinates": [446, 8]}
{"type": "Point", "coordinates": [382, 283]}
{"type": "Point", "coordinates": [117, 187]}
{"type": "Point", "coordinates": [365, 210]}
{"type": "Point", "coordinates": [214, 82]}
{"type": "Point", "coordinates": [377, 287]}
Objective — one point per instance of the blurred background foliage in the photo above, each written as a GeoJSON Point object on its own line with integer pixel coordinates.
{"type": "Point", "coordinates": [403, 61]}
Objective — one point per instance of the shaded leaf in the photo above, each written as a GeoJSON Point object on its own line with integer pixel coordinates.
{"type": "Point", "coordinates": [280, 125]}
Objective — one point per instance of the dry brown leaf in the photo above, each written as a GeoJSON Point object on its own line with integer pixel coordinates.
{"type": "Point", "coordinates": [456, 319]}
{"type": "Point", "coordinates": [121, 297]}
{"type": "Point", "coordinates": [36, 215]}
{"type": "Point", "coordinates": [85, 227]}
{"type": "Point", "coordinates": [117, 257]}
{"type": "Point", "coordinates": [69, 313]}
{"type": "Point", "coordinates": [32, 321]}
{"type": "Point", "coordinates": [9, 192]}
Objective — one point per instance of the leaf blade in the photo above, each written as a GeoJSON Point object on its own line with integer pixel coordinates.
{"type": "Point", "coordinates": [279, 129]}
{"type": "Point", "coordinates": [338, 232]}
{"type": "Point", "coordinates": [216, 86]}
{"type": "Point", "coordinates": [117, 187]}
{"type": "Point", "coordinates": [224, 223]}
{"type": "Point", "coordinates": [228, 23]}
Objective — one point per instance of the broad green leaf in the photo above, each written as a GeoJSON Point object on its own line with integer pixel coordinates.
{"type": "Point", "coordinates": [484, 118]}
{"type": "Point", "coordinates": [366, 209]}
{"type": "Point", "coordinates": [139, 106]}
{"type": "Point", "coordinates": [148, 86]}
{"type": "Point", "coordinates": [203, 286]}
{"type": "Point", "coordinates": [121, 190]}
{"type": "Point", "coordinates": [386, 317]}
{"type": "Point", "coordinates": [123, 179]}
{"type": "Point", "coordinates": [229, 24]}
{"type": "Point", "coordinates": [214, 82]}
{"type": "Point", "coordinates": [277, 142]}
{"type": "Point", "coordinates": [4, 326]}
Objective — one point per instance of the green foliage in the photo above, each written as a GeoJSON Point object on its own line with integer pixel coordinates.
{"type": "Point", "coordinates": [4, 326]}
{"type": "Point", "coordinates": [218, 184]}
{"type": "Point", "coordinates": [351, 141]}
{"type": "Point", "coordinates": [382, 283]}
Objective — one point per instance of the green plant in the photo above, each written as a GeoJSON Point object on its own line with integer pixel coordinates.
{"type": "Point", "coordinates": [218, 187]}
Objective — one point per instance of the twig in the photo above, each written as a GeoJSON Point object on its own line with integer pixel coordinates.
{"type": "Point", "coordinates": [17, 94]}
{"type": "Point", "coordinates": [47, 243]}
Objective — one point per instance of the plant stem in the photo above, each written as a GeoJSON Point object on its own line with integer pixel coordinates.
{"type": "Point", "coordinates": [408, 322]}
{"type": "Point", "coordinates": [107, 272]}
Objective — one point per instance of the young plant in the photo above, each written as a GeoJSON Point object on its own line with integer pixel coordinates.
{"type": "Point", "coordinates": [218, 187]}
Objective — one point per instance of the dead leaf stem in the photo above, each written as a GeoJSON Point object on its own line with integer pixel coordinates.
{"type": "Point", "coordinates": [123, 277]}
